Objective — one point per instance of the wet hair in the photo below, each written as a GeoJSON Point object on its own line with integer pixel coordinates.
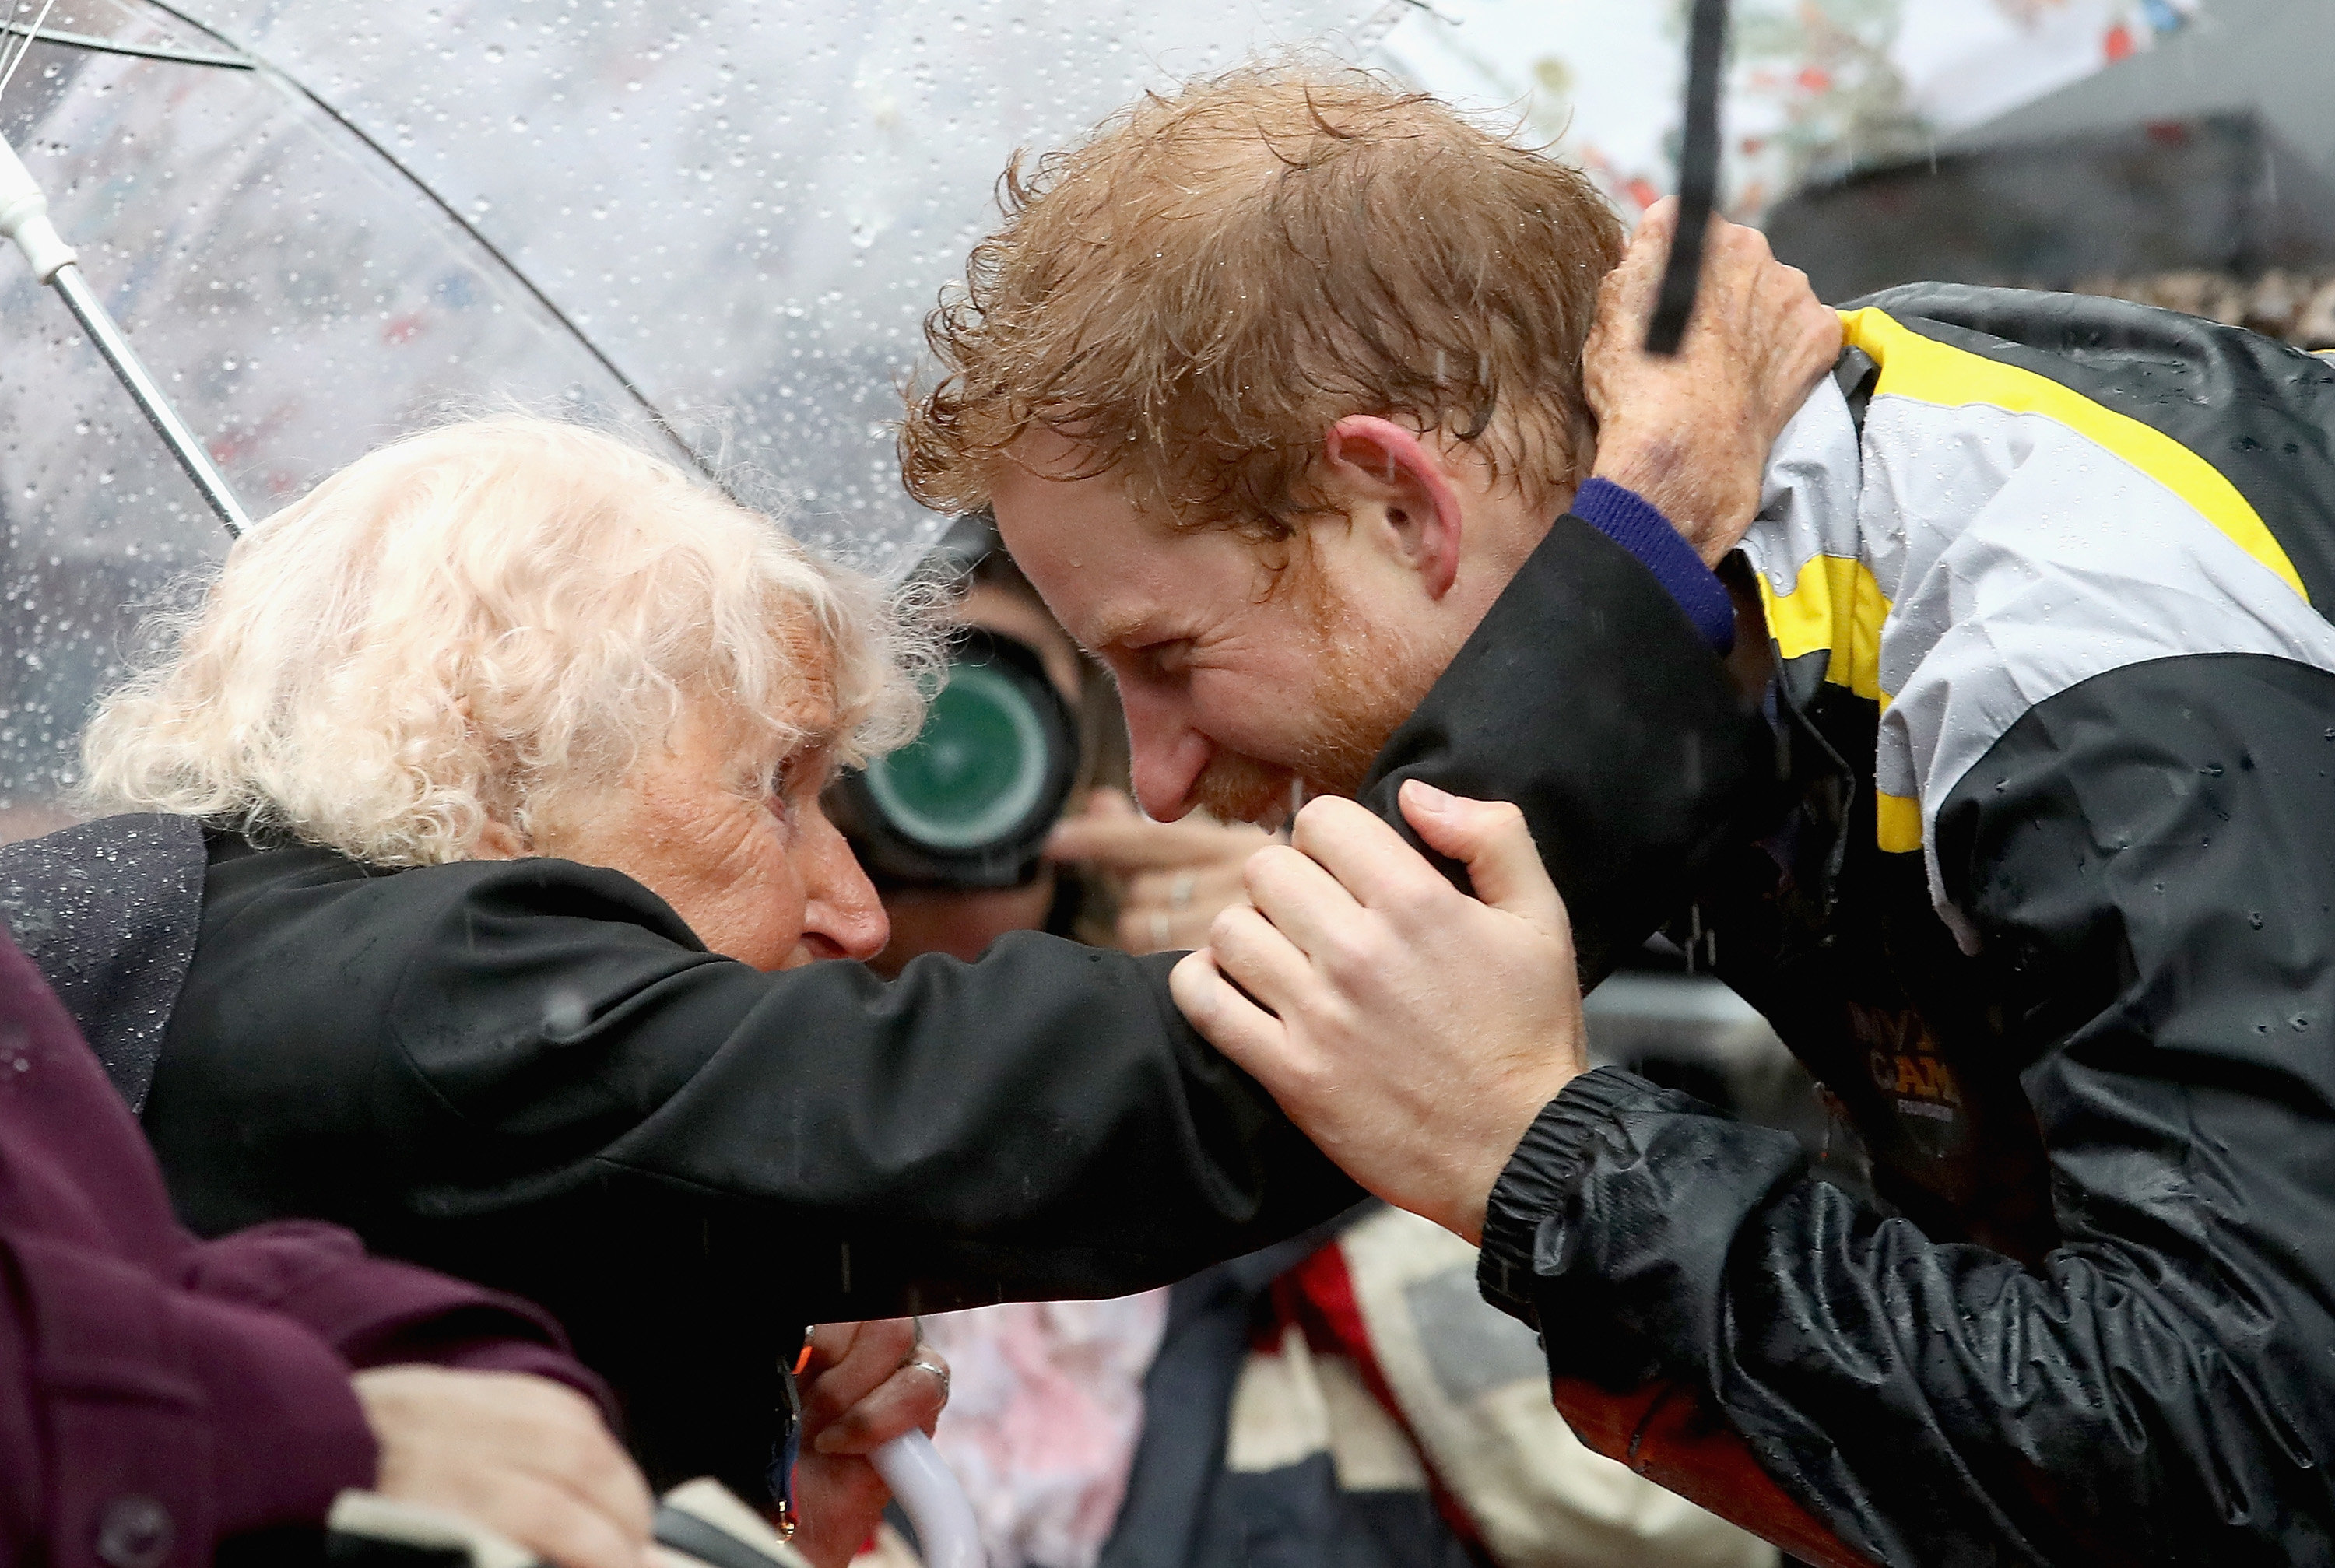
{"type": "Point", "coordinates": [1204, 285]}
{"type": "Point", "coordinates": [483, 623]}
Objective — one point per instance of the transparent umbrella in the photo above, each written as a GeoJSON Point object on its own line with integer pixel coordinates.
{"type": "Point", "coordinates": [717, 221]}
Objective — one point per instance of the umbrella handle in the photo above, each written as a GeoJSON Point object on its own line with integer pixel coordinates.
{"type": "Point", "coordinates": [935, 1504]}
{"type": "Point", "coordinates": [25, 217]}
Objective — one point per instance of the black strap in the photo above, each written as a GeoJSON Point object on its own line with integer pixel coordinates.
{"type": "Point", "coordinates": [678, 1530]}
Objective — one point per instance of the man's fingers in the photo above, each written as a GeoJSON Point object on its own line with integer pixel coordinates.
{"type": "Point", "coordinates": [1260, 958]}
{"type": "Point", "coordinates": [1369, 859]}
{"type": "Point", "coordinates": [1293, 891]}
{"type": "Point", "coordinates": [911, 1399]}
{"type": "Point", "coordinates": [1491, 837]}
{"type": "Point", "coordinates": [1254, 1039]}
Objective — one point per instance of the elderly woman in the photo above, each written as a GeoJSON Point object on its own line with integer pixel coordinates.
{"type": "Point", "coordinates": [480, 906]}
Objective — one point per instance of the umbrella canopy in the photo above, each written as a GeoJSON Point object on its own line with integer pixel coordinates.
{"type": "Point", "coordinates": [718, 221]}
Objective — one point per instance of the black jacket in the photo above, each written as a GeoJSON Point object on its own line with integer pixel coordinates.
{"type": "Point", "coordinates": [2052, 914]}
{"type": "Point", "coordinates": [531, 1073]}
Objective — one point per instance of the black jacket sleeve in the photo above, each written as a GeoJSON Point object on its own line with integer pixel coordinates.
{"type": "Point", "coordinates": [532, 1075]}
{"type": "Point", "coordinates": [2146, 859]}
{"type": "Point", "coordinates": [454, 1044]}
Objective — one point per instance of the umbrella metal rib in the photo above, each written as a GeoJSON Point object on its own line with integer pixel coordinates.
{"type": "Point", "coordinates": [95, 45]}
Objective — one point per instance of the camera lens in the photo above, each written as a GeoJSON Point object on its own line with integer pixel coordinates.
{"type": "Point", "coordinates": [970, 801]}
{"type": "Point", "coordinates": [975, 771]}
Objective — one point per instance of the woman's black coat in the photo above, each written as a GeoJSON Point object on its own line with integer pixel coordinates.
{"type": "Point", "coordinates": [531, 1073]}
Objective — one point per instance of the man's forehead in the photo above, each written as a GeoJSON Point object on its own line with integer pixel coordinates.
{"type": "Point", "coordinates": [1101, 608]}
{"type": "Point", "coordinates": [1084, 546]}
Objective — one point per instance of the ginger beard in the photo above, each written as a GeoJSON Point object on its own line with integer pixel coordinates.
{"type": "Point", "coordinates": [1364, 687]}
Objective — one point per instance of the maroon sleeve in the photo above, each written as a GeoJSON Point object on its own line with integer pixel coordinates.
{"type": "Point", "coordinates": [376, 1312]}
{"type": "Point", "coordinates": [145, 1405]}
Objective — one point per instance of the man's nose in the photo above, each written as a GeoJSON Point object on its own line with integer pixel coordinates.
{"type": "Point", "coordinates": [841, 904]}
{"type": "Point", "coordinates": [1166, 755]}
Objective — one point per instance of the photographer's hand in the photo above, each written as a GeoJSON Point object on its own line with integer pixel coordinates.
{"type": "Point", "coordinates": [1691, 432]}
{"type": "Point", "coordinates": [1173, 876]}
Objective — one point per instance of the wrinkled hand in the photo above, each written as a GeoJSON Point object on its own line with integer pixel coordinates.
{"type": "Point", "coordinates": [525, 1457]}
{"type": "Point", "coordinates": [1691, 432]}
{"type": "Point", "coordinates": [1413, 1032]}
{"type": "Point", "coordinates": [1174, 876]}
{"type": "Point", "coordinates": [859, 1394]}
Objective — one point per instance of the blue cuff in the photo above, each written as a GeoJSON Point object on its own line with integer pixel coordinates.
{"type": "Point", "coordinates": [1624, 516]}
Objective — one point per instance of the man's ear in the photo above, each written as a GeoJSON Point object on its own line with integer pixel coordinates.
{"type": "Point", "coordinates": [1388, 479]}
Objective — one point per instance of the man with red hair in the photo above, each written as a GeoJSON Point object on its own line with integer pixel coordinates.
{"type": "Point", "coordinates": [1320, 415]}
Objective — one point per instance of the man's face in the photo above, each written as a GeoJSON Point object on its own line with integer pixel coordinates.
{"type": "Point", "coordinates": [1244, 670]}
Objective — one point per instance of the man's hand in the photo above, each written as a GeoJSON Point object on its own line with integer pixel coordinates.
{"type": "Point", "coordinates": [1173, 875]}
{"type": "Point", "coordinates": [1413, 1032]}
{"type": "Point", "coordinates": [525, 1457]}
{"type": "Point", "coordinates": [1691, 432]}
{"type": "Point", "coordinates": [867, 1384]}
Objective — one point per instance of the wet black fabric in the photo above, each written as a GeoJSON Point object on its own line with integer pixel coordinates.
{"type": "Point", "coordinates": [2146, 859]}
{"type": "Point", "coordinates": [1586, 675]}
{"type": "Point", "coordinates": [108, 912]}
{"type": "Point", "coordinates": [530, 1073]}
{"type": "Point", "coordinates": [533, 1074]}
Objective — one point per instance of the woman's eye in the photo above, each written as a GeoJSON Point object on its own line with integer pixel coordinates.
{"type": "Point", "coordinates": [799, 776]}
{"type": "Point", "coordinates": [782, 806]}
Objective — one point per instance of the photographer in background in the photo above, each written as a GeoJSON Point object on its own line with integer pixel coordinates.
{"type": "Point", "coordinates": [971, 832]}
{"type": "Point", "coordinates": [1344, 1395]}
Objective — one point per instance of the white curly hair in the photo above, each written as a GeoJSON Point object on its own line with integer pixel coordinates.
{"type": "Point", "coordinates": [477, 624]}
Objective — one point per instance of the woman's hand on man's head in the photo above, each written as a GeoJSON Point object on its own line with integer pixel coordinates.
{"type": "Point", "coordinates": [1690, 431]}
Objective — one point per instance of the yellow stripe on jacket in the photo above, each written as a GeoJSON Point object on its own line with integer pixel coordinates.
{"type": "Point", "coordinates": [1927, 371]}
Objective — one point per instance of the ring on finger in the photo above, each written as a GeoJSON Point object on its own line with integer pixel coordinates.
{"type": "Point", "coordinates": [923, 1358]}
{"type": "Point", "coordinates": [1179, 891]}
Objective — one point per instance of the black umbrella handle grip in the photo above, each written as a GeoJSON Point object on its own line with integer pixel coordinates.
{"type": "Point", "coordinates": [1697, 178]}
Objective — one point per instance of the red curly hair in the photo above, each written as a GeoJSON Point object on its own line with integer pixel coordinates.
{"type": "Point", "coordinates": [1199, 290]}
